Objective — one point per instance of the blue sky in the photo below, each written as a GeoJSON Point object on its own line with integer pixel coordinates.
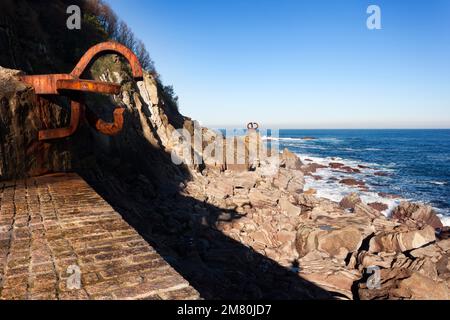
{"type": "Point", "coordinates": [300, 64]}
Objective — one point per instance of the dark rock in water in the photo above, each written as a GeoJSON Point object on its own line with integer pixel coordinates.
{"type": "Point", "coordinates": [352, 182]}
{"type": "Point", "coordinates": [336, 165]}
{"type": "Point", "coordinates": [363, 167]}
{"type": "Point", "coordinates": [347, 169]}
{"type": "Point", "coordinates": [378, 206]}
{"type": "Point", "coordinates": [381, 174]}
{"type": "Point", "coordinates": [388, 195]}
{"type": "Point", "coordinates": [316, 177]}
{"type": "Point", "coordinates": [308, 160]}
{"type": "Point", "coordinates": [417, 215]}
{"type": "Point", "coordinates": [312, 168]}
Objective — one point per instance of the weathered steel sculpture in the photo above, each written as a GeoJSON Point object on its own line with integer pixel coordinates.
{"type": "Point", "coordinates": [71, 85]}
{"type": "Point", "coordinates": [253, 126]}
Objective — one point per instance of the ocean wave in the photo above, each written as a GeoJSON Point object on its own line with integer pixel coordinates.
{"type": "Point", "coordinates": [373, 149]}
{"type": "Point", "coordinates": [439, 183]}
{"type": "Point", "coordinates": [314, 147]}
{"type": "Point", "coordinates": [282, 139]}
{"type": "Point", "coordinates": [335, 191]}
{"type": "Point", "coordinates": [334, 140]}
{"type": "Point", "coordinates": [360, 149]}
{"type": "Point", "coordinates": [328, 186]}
{"type": "Point", "coordinates": [303, 139]}
{"type": "Point", "coordinates": [445, 219]}
{"type": "Point", "coordinates": [369, 167]}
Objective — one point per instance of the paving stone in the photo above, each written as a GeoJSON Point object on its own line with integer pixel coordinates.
{"type": "Point", "coordinates": [56, 227]}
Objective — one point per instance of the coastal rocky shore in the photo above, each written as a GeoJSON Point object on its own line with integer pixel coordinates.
{"type": "Point", "coordinates": [233, 231]}
{"type": "Point", "coordinates": [349, 248]}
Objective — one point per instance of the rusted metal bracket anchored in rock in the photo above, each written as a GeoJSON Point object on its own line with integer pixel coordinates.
{"type": "Point", "coordinates": [71, 85]}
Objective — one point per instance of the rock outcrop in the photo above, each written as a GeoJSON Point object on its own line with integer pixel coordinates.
{"type": "Point", "coordinates": [416, 215]}
{"type": "Point", "coordinates": [22, 115]}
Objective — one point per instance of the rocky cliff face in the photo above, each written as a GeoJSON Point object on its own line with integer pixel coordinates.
{"type": "Point", "coordinates": [22, 115]}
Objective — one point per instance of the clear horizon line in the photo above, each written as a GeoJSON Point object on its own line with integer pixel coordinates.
{"type": "Point", "coordinates": [331, 128]}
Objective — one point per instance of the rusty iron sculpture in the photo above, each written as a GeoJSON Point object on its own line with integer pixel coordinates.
{"type": "Point", "coordinates": [71, 85]}
{"type": "Point", "coordinates": [253, 126]}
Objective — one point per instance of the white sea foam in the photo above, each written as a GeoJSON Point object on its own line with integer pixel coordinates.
{"type": "Point", "coordinates": [329, 187]}
{"type": "Point", "coordinates": [282, 139]}
{"type": "Point", "coordinates": [305, 139]}
{"type": "Point", "coordinates": [372, 149]}
{"type": "Point", "coordinates": [439, 183]}
{"type": "Point", "coordinates": [347, 162]}
{"type": "Point", "coordinates": [335, 191]}
{"type": "Point", "coordinates": [445, 220]}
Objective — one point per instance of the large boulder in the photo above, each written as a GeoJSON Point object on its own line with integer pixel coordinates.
{"type": "Point", "coordinates": [292, 181]}
{"type": "Point", "coordinates": [289, 160]}
{"type": "Point", "coordinates": [366, 210]}
{"type": "Point", "coordinates": [260, 198]}
{"type": "Point", "coordinates": [416, 215]}
{"type": "Point", "coordinates": [383, 260]}
{"type": "Point", "coordinates": [309, 169]}
{"type": "Point", "coordinates": [402, 241]}
{"type": "Point", "coordinates": [297, 182]}
{"type": "Point", "coordinates": [328, 273]}
{"type": "Point", "coordinates": [244, 180]}
{"type": "Point", "coordinates": [220, 189]}
{"type": "Point", "coordinates": [307, 201]}
{"type": "Point", "coordinates": [400, 283]}
{"type": "Point", "coordinates": [287, 207]}
{"type": "Point", "coordinates": [379, 206]}
{"type": "Point", "coordinates": [349, 201]}
{"type": "Point", "coordinates": [336, 242]}
{"type": "Point", "coordinates": [420, 287]}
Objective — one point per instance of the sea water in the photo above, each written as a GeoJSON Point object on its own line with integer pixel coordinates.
{"type": "Point", "coordinates": [415, 164]}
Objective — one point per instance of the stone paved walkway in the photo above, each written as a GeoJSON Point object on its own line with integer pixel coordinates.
{"type": "Point", "coordinates": [53, 226]}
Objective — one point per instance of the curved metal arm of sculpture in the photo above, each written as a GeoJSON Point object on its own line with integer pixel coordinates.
{"type": "Point", "coordinates": [109, 129]}
{"type": "Point", "coordinates": [76, 110]}
{"type": "Point", "coordinates": [110, 46]}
